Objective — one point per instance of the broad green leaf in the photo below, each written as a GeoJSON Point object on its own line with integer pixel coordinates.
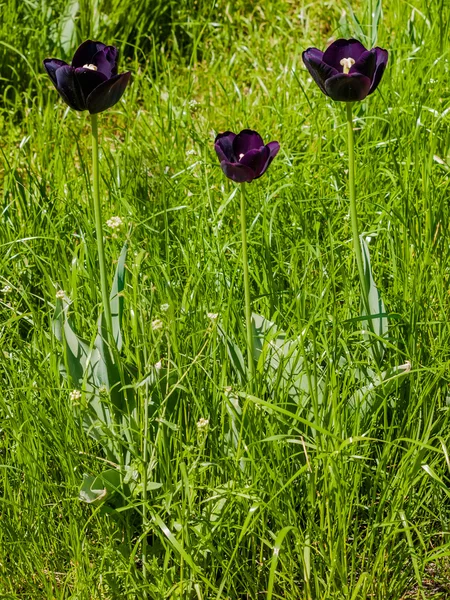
{"type": "Point", "coordinates": [76, 350]}
{"type": "Point", "coordinates": [377, 312]}
{"type": "Point", "coordinates": [97, 489]}
{"type": "Point", "coordinates": [234, 354]}
{"type": "Point", "coordinates": [116, 297]}
{"type": "Point", "coordinates": [280, 359]}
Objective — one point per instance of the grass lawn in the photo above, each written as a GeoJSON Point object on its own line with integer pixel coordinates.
{"type": "Point", "coordinates": [327, 476]}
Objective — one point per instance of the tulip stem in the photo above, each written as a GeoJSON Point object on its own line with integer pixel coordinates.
{"type": "Point", "coordinates": [99, 230]}
{"type": "Point", "coordinates": [248, 309]}
{"type": "Point", "coordinates": [354, 213]}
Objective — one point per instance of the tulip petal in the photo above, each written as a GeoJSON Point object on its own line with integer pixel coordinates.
{"type": "Point", "coordinates": [342, 49]}
{"type": "Point", "coordinates": [106, 61]}
{"type": "Point", "coordinates": [257, 160]}
{"type": "Point", "coordinates": [85, 53]}
{"type": "Point", "coordinates": [89, 80]}
{"type": "Point", "coordinates": [365, 65]}
{"type": "Point", "coordinates": [52, 65]}
{"type": "Point", "coordinates": [273, 151]}
{"type": "Point", "coordinates": [69, 88]}
{"type": "Point", "coordinates": [224, 146]}
{"type": "Point", "coordinates": [237, 172]}
{"type": "Point", "coordinates": [107, 93]}
{"type": "Point", "coordinates": [245, 141]}
{"type": "Point", "coordinates": [318, 70]}
{"type": "Point", "coordinates": [348, 88]}
{"type": "Point", "coordinates": [382, 59]}
{"type": "Point", "coordinates": [274, 148]}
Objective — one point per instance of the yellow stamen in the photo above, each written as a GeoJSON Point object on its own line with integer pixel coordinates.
{"type": "Point", "coordinates": [91, 67]}
{"type": "Point", "coordinates": [347, 63]}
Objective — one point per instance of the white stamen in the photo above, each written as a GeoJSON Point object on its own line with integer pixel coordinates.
{"type": "Point", "coordinates": [347, 63]}
{"type": "Point", "coordinates": [91, 67]}
{"type": "Point", "coordinates": [240, 156]}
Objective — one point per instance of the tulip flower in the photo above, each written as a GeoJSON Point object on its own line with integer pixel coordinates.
{"type": "Point", "coordinates": [346, 71]}
{"type": "Point", "coordinates": [244, 157]}
{"type": "Point", "coordinates": [91, 82]}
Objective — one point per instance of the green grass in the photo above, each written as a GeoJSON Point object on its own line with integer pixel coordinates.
{"type": "Point", "coordinates": [305, 500]}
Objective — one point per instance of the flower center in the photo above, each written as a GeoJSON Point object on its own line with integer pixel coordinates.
{"type": "Point", "coordinates": [90, 67]}
{"type": "Point", "coordinates": [347, 63]}
{"type": "Point", "coordinates": [240, 156]}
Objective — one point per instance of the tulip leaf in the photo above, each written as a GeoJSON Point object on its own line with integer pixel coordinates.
{"type": "Point", "coordinates": [280, 359]}
{"type": "Point", "coordinates": [76, 350]}
{"type": "Point", "coordinates": [234, 354]}
{"type": "Point", "coordinates": [377, 313]}
{"type": "Point", "coordinates": [116, 297]}
{"type": "Point", "coordinates": [97, 489]}
{"type": "Point", "coordinates": [386, 383]}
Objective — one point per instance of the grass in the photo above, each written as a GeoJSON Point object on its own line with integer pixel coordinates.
{"type": "Point", "coordinates": [275, 498]}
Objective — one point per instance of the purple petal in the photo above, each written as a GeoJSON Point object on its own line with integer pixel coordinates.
{"type": "Point", "coordinates": [342, 49]}
{"type": "Point", "coordinates": [365, 65]}
{"type": "Point", "coordinates": [246, 140]}
{"type": "Point", "coordinates": [274, 148]}
{"type": "Point", "coordinates": [257, 160]}
{"type": "Point", "coordinates": [106, 61]}
{"type": "Point", "coordinates": [69, 88]}
{"type": "Point", "coordinates": [89, 80]}
{"type": "Point", "coordinates": [348, 88]}
{"type": "Point", "coordinates": [224, 146]}
{"type": "Point", "coordinates": [52, 65]}
{"type": "Point", "coordinates": [237, 172]}
{"type": "Point", "coordinates": [107, 93]}
{"type": "Point", "coordinates": [86, 52]}
{"type": "Point", "coordinates": [273, 151]}
{"type": "Point", "coordinates": [318, 70]}
{"type": "Point", "coordinates": [382, 59]}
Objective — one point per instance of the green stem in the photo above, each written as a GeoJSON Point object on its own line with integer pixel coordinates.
{"type": "Point", "coordinates": [354, 212]}
{"type": "Point", "coordinates": [99, 229]}
{"type": "Point", "coordinates": [144, 483]}
{"type": "Point", "coordinates": [248, 309]}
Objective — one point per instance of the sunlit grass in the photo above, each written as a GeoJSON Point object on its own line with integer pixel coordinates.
{"type": "Point", "coordinates": [365, 496]}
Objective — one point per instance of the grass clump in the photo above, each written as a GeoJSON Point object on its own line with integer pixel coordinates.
{"type": "Point", "coordinates": [328, 490]}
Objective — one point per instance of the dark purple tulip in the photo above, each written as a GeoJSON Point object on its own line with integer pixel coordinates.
{"type": "Point", "coordinates": [346, 71]}
{"type": "Point", "coordinates": [244, 157]}
{"type": "Point", "coordinates": [91, 82]}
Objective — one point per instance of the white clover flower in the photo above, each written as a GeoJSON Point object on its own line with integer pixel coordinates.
{"type": "Point", "coordinates": [164, 307]}
{"type": "Point", "coordinates": [212, 316]}
{"type": "Point", "coordinates": [74, 395]}
{"type": "Point", "coordinates": [202, 423]}
{"type": "Point", "coordinates": [6, 289]}
{"type": "Point", "coordinates": [60, 294]}
{"type": "Point", "coordinates": [157, 324]}
{"type": "Point", "coordinates": [114, 222]}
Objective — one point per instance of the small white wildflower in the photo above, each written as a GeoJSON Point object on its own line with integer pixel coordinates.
{"type": "Point", "coordinates": [190, 152]}
{"type": "Point", "coordinates": [212, 316]}
{"type": "Point", "coordinates": [74, 395]}
{"type": "Point", "coordinates": [158, 365]}
{"type": "Point", "coordinates": [164, 307]}
{"type": "Point", "coordinates": [6, 289]}
{"type": "Point", "coordinates": [157, 324]}
{"type": "Point", "coordinates": [114, 222]}
{"type": "Point", "coordinates": [193, 104]}
{"type": "Point", "coordinates": [202, 423]}
{"type": "Point", "coordinates": [60, 294]}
